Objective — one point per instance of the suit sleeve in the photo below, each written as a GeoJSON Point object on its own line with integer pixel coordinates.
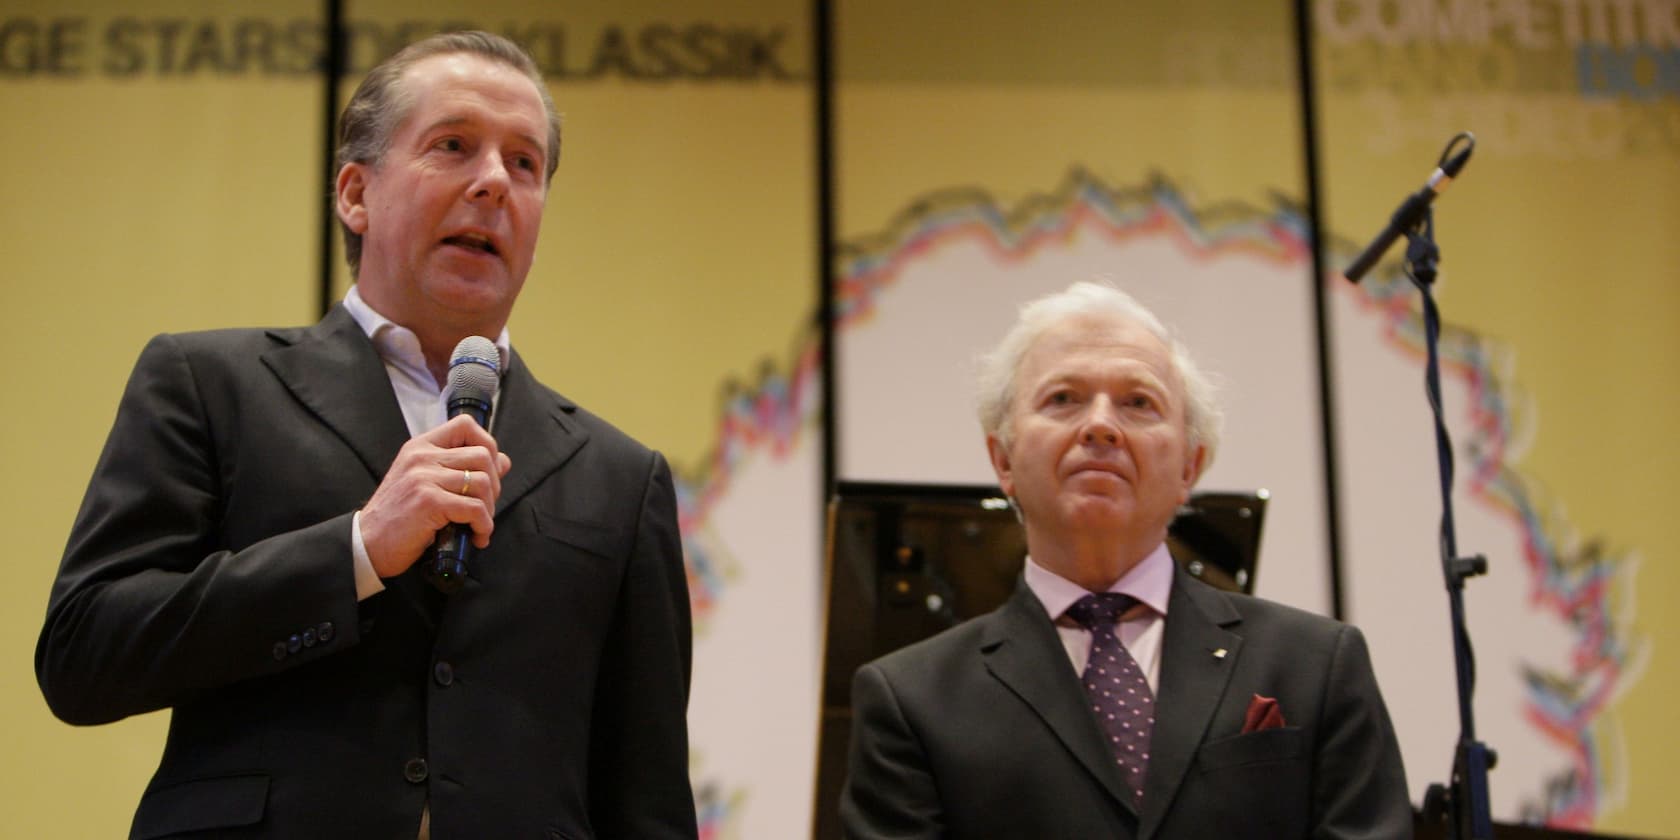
{"type": "Point", "coordinates": [889, 790]}
{"type": "Point", "coordinates": [149, 606]}
{"type": "Point", "coordinates": [1359, 788]}
{"type": "Point", "coordinates": [638, 784]}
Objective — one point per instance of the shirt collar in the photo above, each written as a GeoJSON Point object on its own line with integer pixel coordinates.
{"type": "Point", "coordinates": [395, 341]}
{"type": "Point", "coordinates": [1150, 582]}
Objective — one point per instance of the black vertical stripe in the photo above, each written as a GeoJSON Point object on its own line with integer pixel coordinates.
{"type": "Point", "coordinates": [332, 70]}
{"type": "Point", "coordinates": [1315, 224]}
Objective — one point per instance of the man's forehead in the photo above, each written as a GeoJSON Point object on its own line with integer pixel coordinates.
{"type": "Point", "coordinates": [458, 64]}
{"type": "Point", "coordinates": [1101, 337]}
{"type": "Point", "coordinates": [444, 85]}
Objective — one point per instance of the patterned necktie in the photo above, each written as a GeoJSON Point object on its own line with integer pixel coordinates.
{"type": "Point", "coordinates": [1120, 696]}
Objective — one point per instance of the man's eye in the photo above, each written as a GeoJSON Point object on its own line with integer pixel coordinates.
{"type": "Point", "coordinates": [449, 144]}
{"type": "Point", "coordinates": [1061, 398]}
{"type": "Point", "coordinates": [526, 162]}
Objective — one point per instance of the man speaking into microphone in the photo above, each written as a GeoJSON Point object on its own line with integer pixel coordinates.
{"type": "Point", "coordinates": [258, 548]}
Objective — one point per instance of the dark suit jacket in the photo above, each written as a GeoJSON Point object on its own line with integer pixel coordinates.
{"type": "Point", "coordinates": [983, 732]}
{"type": "Point", "coordinates": [209, 570]}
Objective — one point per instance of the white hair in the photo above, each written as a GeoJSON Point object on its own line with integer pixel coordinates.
{"type": "Point", "coordinates": [998, 368]}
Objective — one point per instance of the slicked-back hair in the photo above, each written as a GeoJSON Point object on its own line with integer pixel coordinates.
{"type": "Point", "coordinates": [381, 103]}
{"type": "Point", "coordinates": [995, 393]}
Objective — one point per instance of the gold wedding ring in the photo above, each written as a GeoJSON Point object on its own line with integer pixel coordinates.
{"type": "Point", "coordinates": [466, 481]}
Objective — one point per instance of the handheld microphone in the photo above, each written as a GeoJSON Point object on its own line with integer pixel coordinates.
{"type": "Point", "coordinates": [1411, 211]}
{"type": "Point", "coordinates": [474, 373]}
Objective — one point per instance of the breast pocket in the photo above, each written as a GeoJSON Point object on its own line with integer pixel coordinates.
{"type": "Point", "coordinates": [1254, 785]}
{"type": "Point", "coordinates": [1268, 746]}
{"type": "Point", "coordinates": [567, 564]}
{"type": "Point", "coordinates": [603, 541]}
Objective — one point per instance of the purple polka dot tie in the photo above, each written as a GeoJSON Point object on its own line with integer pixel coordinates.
{"type": "Point", "coordinates": [1120, 696]}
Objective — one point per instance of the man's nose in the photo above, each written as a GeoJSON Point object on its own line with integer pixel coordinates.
{"type": "Point", "coordinates": [490, 182]}
{"type": "Point", "coordinates": [1100, 425]}
{"type": "Point", "coordinates": [1102, 435]}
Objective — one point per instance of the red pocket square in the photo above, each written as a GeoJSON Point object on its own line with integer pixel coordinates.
{"type": "Point", "coordinates": [1263, 713]}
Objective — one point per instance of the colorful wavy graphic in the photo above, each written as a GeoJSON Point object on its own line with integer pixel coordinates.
{"type": "Point", "coordinates": [767, 418]}
{"type": "Point", "coordinates": [871, 263]}
{"type": "Point", "coordinates": [770, 415]}
{"type": "Point", "coordinates": [716, 808]}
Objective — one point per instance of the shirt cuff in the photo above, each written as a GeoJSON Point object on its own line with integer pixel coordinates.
{"type": "Point", "coordinates": [367, 580]}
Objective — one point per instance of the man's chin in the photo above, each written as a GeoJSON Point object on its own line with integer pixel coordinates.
{"type": "Point", "coordinates": [1098, 513]}
{"type": "Point", "coordinates": [470, 293]}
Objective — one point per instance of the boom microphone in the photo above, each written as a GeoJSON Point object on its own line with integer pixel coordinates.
{"type": "Point", "coordinates": [1412, 210]}
{"type": "Point", "coordinates": [474, 373]}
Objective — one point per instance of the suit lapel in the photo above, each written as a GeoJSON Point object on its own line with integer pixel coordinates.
{"type": "Point", "coordinates": [1193, 681]}
{"type": "Point", "coordinates": [532, 425]}
{"type": "Point", "coordinates": [1021, 649]}
{"type": "Point", "coordinates": [335, 372]}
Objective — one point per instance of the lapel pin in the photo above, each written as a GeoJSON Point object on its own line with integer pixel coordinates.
{"type": "Point", "coordinates": [1219, 653]}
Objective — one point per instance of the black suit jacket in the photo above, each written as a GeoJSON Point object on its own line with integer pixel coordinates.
{"type": "Point", "coordinates": [984, 732]}
{"type": "Point", "coordinates": [209, 570]}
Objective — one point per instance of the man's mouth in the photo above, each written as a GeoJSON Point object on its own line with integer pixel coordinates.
{"type": "Point", "coordinates": [1100, 469]}
{"type": "Point", "coordinates": [472, 241]}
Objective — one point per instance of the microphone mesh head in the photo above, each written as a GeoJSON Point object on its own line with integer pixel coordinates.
{"type": "Point", "coordinates": [474, 369]}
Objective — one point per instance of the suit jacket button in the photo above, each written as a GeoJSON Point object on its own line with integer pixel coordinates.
{"type": "Point", "coordinates": [415, 770]}
{"type": "Point", "coordinates": [324, 631]}
{"type": "Point", "coordinates": [443, 673]}
{"type": "Point", "coordinates": [279, 651]}
{"type": "Point", "coordinates": [308, 637]}
{"type": "Point", "coordinates": [295, 643]}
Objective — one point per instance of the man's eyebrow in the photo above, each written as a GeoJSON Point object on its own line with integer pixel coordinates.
{"type": "Point", "coordinates": [445, 121]}
{"type": "Point", "coordinates": [1134, 378]}
{"type": "Point", "coordinates": [1060, 380]}
{"type": "Point", "coordinates": [463, 120]}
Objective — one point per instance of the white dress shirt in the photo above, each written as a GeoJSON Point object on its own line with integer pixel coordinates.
{"type": "Point", "coordinates": [1140, 628]}
{"type": "Point", "coordinates": [421, 398]}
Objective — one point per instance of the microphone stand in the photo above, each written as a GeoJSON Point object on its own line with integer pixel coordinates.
{"type": "Point", "coordinates": [1464, 804]}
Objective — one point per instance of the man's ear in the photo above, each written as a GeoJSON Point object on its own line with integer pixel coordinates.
{"type": "Point", "coordinates": [1192, 472]}
{"type": "Point", "coordinates": [350, 194]}
{"type": "Point", "coordinates": [1000, 465]}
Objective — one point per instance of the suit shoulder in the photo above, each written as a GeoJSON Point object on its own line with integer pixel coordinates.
{"type": "Point", "coordinates": [215, 355]}
{"type": "Point", "coordinates": [225, 340]}
{"type": "Point", "coordinates": [611, 439]}
{"type": "Point", "coordinates": [936, 651]}
{"type": "Point", "coordinates": [1260, 614]}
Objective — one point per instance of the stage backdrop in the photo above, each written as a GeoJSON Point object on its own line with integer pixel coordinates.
{"type": "Point", "coordinates": [169, 179]}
